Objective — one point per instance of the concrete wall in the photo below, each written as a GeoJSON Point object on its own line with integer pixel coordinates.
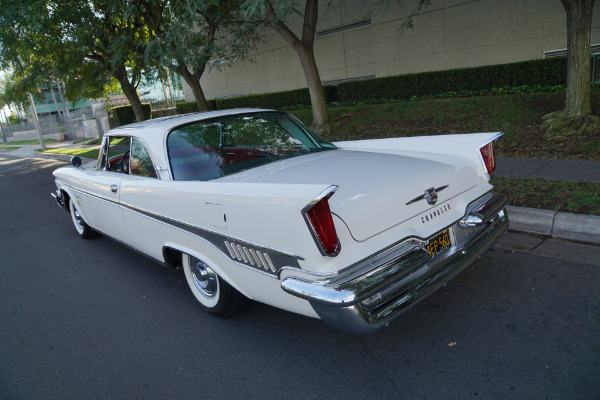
{"type": "Point", "coordinates": [448, 34]}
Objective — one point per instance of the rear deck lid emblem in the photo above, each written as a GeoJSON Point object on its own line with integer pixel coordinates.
{"type": "Point", "coordinates": [431, 195]}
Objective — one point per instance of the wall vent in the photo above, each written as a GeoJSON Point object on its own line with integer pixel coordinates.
{"type": "Point", "coordinates": [343, 28]}
{"type": "Point", "coordinates": [335, 82]}
{"type": "Point", "coordinates": [595, 49]}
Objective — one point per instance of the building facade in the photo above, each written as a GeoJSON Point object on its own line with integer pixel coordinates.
{"type": "Point", "coordinates": [358, 39]}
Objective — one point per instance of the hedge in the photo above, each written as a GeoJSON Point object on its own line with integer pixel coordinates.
{"type": "Point", "coordinates": [278, 100]}
{"type": "Point", "coordinates": [124, 114]}
{"type": "Point", "coordinates": [186, 107]}
{"type": "Point", "coordinates": [546, 72]}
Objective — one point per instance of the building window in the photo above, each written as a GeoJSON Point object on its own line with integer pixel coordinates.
{"type": "Point", "coordinates": [343, 28]}
{"type": "Point", "coordinates": [595, 51]}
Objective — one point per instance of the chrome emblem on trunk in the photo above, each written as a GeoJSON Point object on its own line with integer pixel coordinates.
{"type": "Point", "coordinates": [430, 195]}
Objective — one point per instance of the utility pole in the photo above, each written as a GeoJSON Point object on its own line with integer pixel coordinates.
{"type": "Point", "coordinates": [36, 121]}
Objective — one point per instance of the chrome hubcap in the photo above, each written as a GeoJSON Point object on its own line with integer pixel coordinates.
{"type": "Point", "coordinates": [77, 218]}
{"type": "Point", "coordinates": [205, 279]}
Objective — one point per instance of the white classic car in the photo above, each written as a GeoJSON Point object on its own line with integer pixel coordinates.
{"type": "Point", "coordinates": [252, 205]}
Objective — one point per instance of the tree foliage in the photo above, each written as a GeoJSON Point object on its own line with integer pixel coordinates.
{"type": "Point", "coordinates": [187, 34]}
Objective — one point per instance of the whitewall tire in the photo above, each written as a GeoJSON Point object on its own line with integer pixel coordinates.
{"type": "Point", "coordinates": [215, 295]}
{"type": "Point", "coordinates": [82, 228]}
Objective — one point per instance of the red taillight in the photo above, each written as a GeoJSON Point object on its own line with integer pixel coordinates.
{"type": "Point", "coordinates": [320, 222]}
{"type": "Point", "coordinates": [487, 152]}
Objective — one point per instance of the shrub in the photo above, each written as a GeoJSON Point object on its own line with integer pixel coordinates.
{"type": "Point", "coordinates": [186, 107]}
{"type": "Point", "coordinates": [547, 72]}
{"type": "Point", "coordinates": [124, 114]}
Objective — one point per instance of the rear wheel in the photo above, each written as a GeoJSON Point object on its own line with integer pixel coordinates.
{"type": "Point", "coordinates": [215, 295]}
{"type": "Point", "coordinates": [82, 228]}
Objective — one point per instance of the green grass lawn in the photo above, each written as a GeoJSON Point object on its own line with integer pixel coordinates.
{"type": "Point", "coordinates": [91, 153]}
{"type": "Point", "coordinates": [563, 196]}
{"type": "Point", "coordinates": [518, 116]}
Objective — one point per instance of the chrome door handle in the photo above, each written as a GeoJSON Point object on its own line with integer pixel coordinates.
{"type": "Point", "coordinates": [114, 188]}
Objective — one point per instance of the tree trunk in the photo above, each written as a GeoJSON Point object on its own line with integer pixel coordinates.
{"type": "Point", "coordinates": [65, 104]}
{"type": "Point", "coordinates": [61, 135]}
{"type": "Point", "coordinates": [130, 93]}
{"type": "Point", "coordinates": [58, 111]}
{"type": "Point", "coordinates": [320, 121]}
{"type": "Point", "coordinates": [304, 49]}
{"type": "Point", "coordinates": [170, 87]}
{"type": "Point", "coordinates": [579, 20]}
{"type": "Point", "coordinates": [165, 91]}
{"type": "Point", "coordinates": [196, 87]}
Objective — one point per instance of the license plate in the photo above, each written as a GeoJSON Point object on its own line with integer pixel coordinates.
{"type": "Point", "coordinates": [438, 243]}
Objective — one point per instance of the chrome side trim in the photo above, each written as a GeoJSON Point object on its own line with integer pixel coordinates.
{"type": "Point", "coordinates": [272, 260]}
{"type": "Point", "coordinates": [235, 249]}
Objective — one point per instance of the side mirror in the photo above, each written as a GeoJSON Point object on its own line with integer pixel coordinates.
{"type": "Point", "coordinates": [76, 162]}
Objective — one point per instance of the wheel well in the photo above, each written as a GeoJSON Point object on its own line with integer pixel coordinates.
{"type": "Point", "coordinates": [66, 198]}
{"type": "Point", "coordinates": [172, 257]}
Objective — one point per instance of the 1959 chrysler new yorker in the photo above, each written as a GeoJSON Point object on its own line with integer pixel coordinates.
{"type": "Point", "coordinates": [252, 205]}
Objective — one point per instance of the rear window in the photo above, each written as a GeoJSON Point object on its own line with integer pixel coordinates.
{"type": "Point", "coordinates": [214, 148]}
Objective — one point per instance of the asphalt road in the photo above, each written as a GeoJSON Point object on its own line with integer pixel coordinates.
{"type": "Point", "coordinates": [94, 320]}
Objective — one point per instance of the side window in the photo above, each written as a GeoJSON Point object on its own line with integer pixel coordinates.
{"type": "Point", "coordinates": [115, 154]}
{"type": "Point", "coordinates": [139, 160]}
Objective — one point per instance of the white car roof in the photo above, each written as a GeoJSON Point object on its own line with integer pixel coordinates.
{"type": "Point", "coordinates": [152, 132]}
{"type": "Point", "coordinates": [156, 126]}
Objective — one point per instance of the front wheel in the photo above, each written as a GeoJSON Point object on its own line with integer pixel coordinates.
{"type": "Point", "coordinates": [215, 295]}
{"type": "Point", "coordinates": [82, 228]}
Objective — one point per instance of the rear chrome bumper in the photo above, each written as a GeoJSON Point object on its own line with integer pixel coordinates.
{"type": "Point", "coordinates": [365, 297]}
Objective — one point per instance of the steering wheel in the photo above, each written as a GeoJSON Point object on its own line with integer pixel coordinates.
{"type": "Point", "coordinates": [125, 165]}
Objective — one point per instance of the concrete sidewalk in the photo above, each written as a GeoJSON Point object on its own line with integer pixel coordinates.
{"type": "Point", "coordinates": [568, 170]}
{"type": "Point", "coordinates": [583, 228]}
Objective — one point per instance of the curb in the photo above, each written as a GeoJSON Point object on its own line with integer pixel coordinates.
{"type": "Point", "coordinates": [582, 228]}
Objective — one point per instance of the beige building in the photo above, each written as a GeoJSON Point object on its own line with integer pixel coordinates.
{"type": "Point", "coordinates": [357, 39]}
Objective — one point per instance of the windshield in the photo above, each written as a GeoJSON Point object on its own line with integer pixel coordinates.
{"type": "Point", "coordinates": [218, 147]}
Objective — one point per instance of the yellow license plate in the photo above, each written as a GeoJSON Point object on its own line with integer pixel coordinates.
{"type": "Point", "coordinates": [438, 243]}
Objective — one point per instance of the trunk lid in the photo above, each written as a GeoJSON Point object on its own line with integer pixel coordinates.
{"type": "Point", "coordinates": [373, 187]}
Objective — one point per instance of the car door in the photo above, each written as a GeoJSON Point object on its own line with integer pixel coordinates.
{"type": "Point", "coordinates": [101, 192]}
{"type": "Point", "coordinates": [137, 188]}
